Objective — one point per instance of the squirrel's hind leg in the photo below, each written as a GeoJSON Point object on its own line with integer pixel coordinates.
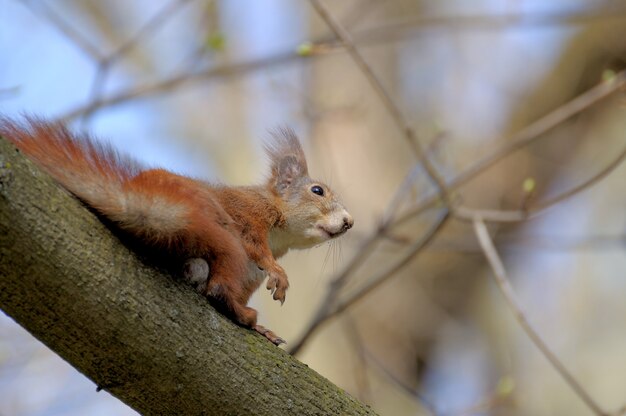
{"type": "Point", "coordinates": [269, 334]}
{"type": "Point", "coordinates": [196, 272]}
{"type": "Point", "coordinates": [225, 287]}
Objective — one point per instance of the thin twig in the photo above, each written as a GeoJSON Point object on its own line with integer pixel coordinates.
{"type": "Point", "coordinates": [189, 78]}
{"type": "Point", "coordinates": [385, 97]}
{"type": "Point", "coordinates": [383, 231]}
{"type": "Point", "coordinates": [106, 63]}
{"type": "Point", "coordinates": [178, 81]}
{"type": "Point", "coordinates": [72, 34]}
{"type": "Point", "coordinates": [332, 306]}
{"type": "Point", "coordinates": [97, 86]}
{"type": "Point", "coordinates": [554, 243]}
{"type": "Point", "coordinates": [583, 186]}
{"type": "Point", "coordinates": [153, 24]}
{"type": "Point", "coordinates": [419, 397]}
{"type": "Point", "coordinates": [414, 249]}
{"type": "Point", "coordinates": [620, 412]}
{"type": "Point", "coordinates": [329, 309]}
{"type": "Point", "coordinates": [502, 281]}
{"type": "Point", "coordinates": [361, 377]}
{"type": "Point", "coordinates": [468, 214]}
{"type": "Point", "coordinates": [408, 27]}
{"type": "Point", "coordinates": [404, 188]}
{"type": "Point", "coordinates": [523, 138]}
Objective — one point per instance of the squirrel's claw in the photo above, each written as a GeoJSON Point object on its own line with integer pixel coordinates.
{"type": "Point", "coordinates": [278, 284]}
{"type": "Point", "coordinates": [279, 294]}
{"type": "Point", "coordinates": [271, 283]}
{"type": "Point", "coordinates": [270, 335]}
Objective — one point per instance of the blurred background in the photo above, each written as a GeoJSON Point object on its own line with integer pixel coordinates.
{"type": "Point", "coordinates": [194, 86]}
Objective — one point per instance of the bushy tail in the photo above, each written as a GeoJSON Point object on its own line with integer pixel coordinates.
{"type": "Point", "coordinates": [163, 209]}
{"type": "Point", "coordinates": [94, 172]}
{"type": "Point", "coordinates": [160, 207]}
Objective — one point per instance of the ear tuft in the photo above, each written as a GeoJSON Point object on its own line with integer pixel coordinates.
{"type": "Point", "coordinates": [287, 158]}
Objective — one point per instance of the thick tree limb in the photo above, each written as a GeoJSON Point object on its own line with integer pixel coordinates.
{"type": "Point", "coordinates": [149, 340]}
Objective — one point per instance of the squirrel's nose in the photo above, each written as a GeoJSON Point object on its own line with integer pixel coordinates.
{"type": "Point", "coordinates": [348, 222]}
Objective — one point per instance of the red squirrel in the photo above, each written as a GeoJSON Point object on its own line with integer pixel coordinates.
{"type": "Point", "coordinates": [229, 227]}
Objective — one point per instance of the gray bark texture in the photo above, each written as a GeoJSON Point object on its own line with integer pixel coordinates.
{"type": "Point", "coordinates": [142, 335]}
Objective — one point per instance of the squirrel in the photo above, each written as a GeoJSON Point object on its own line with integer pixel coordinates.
{"type": "Point", "coordinates": [230, 228]}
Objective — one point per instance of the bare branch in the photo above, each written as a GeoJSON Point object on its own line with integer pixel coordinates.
{"type": "Point", "coordinates": [151, 26]}
{"type": "Point", "coordinates": [388, 102]}
{"type": "Point", "coordinates": [332, 306]}
{"type": "Point", "coordinates": [426, 404]}
{"type": "Point", "coordinates": [106, 63]}
{"type": "Point", "coordinates": [558, 243]}
{"type": "Point", "coordinates": [620, 412]}
{"type": "Point", "coordinates": [360, 372]}
{"type": "Point", "coordinates": [408, 27]}
{"type": "Point", "coordinates": [72, 34]}
{"type": "Point", "coordinates": [468, 214]}
{"type": "Point", "coordinates": [400, 196]}
{"type": "Point", "coordinates": [502, 281]}
{"type": "Point", "coordinates": [524, 137]}
{"type": "Point", "coordinates": [583, 186]}
{"type": "Point", "coordinates": [180, 80]}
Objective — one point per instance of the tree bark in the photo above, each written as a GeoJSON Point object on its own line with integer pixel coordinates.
{"type": "Point", "coordinates": [138, 333]}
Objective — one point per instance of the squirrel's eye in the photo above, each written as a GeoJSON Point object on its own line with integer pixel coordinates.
{"type": "Point", "coordinates": [318, 190]}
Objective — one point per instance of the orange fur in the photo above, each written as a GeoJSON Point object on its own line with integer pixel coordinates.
{"type": "Point", "coordinates": [229, 227]}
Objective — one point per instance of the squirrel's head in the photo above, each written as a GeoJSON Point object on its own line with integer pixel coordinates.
{"type": "Point", "coordinates": [312, 211]}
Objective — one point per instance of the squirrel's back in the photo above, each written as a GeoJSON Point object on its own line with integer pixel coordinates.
{"type": "Point", "coordinates": [104, 179]}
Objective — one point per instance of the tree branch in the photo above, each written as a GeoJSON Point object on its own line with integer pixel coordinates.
{"type": "Point", "coordinates": [392, 108]}
{"type": "Point", "coordinates": [333, 306]}
{"type": "Point", "coordinates": [502, 281]}
{"type": "Point", "coordinates": [524, 137]}
{"type": "Point", "coordinates": [136, 332]}
{"type": "Point", "coordinates": [495, 215]}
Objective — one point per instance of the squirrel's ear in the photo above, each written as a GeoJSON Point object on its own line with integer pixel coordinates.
{"type": "Point", "coordinates": [287, 158]}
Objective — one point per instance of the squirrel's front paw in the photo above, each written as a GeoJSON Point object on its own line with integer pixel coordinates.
{"type": "Point", "coordinates": [278, 284]}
